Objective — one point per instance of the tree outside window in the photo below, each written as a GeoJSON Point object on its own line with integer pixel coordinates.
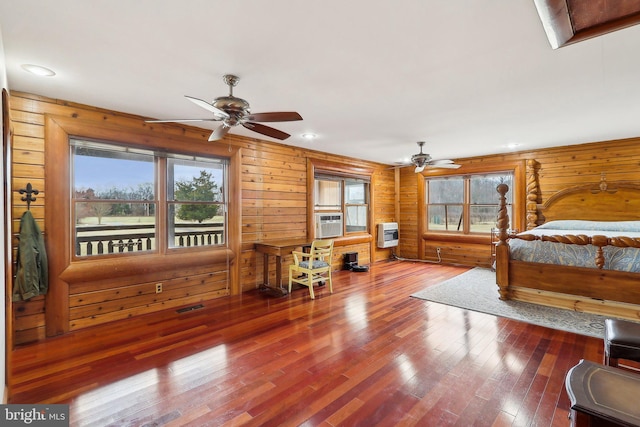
{"type": "Point", "coordinates": [116, 203]}
{"type": "Point", "coordinates": [195, 201]}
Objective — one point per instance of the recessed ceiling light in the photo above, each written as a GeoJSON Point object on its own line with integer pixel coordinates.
{"type": "Point", "coordinates": [309, 136]}
{"type": "Point", "coordinates": [512, 145]}
{"type": "Point", "coordinates": [38, 70]}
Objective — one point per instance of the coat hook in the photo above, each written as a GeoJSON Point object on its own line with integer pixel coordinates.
{"type": "Point", "coordinates": [29, 191]}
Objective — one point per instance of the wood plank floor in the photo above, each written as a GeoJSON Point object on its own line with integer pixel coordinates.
{"type": "Point", "coordinates": [366, 355]}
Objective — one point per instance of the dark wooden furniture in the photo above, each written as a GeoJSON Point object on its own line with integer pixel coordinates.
{"type": "Point", "coordinates": [621, 341]}
{"type": "Point", "coordinates": [603, 396]}
{"type": "Point", "coordinates": [278, 249]}
{"type": "Point", "coordinates": [607, 292]}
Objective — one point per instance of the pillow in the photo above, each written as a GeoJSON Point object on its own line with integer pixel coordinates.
{"type": "Point", "coordinates": [574, 224]}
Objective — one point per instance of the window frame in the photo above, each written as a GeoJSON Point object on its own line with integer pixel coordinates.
{"type": "Point", "coordinates": [171, 201]}
{"type": "Point", "coordinates": [66, 271]}
{"type": "Point", "coordinates": [516, 167]}
{"type": "Point", "coordinates": [163, 199]}
{"type": "Point", "coordinates": [341, 171]}
{"type": "Point", "coordinates": [343, 203]}
{"type": "Point", "coordinates": [465, 204]}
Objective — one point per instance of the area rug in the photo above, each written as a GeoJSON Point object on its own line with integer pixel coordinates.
{"type": "Point", "coordinates": [476, 290]}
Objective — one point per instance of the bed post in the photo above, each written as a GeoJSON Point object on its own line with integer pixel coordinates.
{"type": "Point", "coordinates": [532, 195]}
{"type": "Point", "coordinates": [502, 247]}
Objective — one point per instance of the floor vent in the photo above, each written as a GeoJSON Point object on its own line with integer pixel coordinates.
{"type": "Point", "coordinates": [193, 307]}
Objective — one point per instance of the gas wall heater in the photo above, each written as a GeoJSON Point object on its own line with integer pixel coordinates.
{"type": "Point", "coordinates": [387, 234]}
{"type": "Point", "coordinates": [328, 225]}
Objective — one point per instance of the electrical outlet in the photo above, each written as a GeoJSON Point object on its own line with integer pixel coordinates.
{"type": "Point", "coordinates": [158, 288]}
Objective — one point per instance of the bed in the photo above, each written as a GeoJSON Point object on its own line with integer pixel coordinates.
{"type": "Point", "coordinates": [581, 250]}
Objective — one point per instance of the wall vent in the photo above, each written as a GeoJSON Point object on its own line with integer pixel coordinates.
{"type": "Point", "coordinates": [191, 308]}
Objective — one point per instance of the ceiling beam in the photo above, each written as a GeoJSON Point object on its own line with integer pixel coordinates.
{"type": "Point", "coordinates": [559, 17]}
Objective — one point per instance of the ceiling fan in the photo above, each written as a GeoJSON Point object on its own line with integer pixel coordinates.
{"type": "Point", "coordinates": [233, 111]}
{"type": "Point", "coordinates": [424, 160]}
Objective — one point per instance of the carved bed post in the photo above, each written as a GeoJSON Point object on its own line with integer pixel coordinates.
{"type": "Point", "coordinates": [532, 195]}
{"type": "Point", "coordinates": [502, 247]}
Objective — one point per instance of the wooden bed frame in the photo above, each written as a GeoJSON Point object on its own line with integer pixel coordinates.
{"type": "Point", "coordinates": [606, 292]}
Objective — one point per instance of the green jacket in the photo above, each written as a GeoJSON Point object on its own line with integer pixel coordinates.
{"type": "Point", "coordinates": [32, 275]}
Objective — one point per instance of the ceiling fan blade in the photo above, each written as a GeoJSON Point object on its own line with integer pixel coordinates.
{"type": "Point", "coordinates": [181, 120]}
{"type": "Point", "coordinates": [440, 162]}
{"type": "Point", "coordinates": [204, 104]}
{"type": "Point", "coordinates": [220, 132]}
{"type": "Point", "coordinates": [444, 166]}
{"type": "Point", "coordinates": [282, 116]}
{"type": "Point", "coordinates": [266, 130]}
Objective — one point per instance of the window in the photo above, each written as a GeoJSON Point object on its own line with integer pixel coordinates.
{"type": "Point", "coordinates": [465, 204]}
{"type": "Point", "coordinates": [356, 205]}
{"type": "Point", "coordinates": [136, 200]}
{"type": "Point", "coordinates": [195, 201]}
{"type": "Point", "coordinates": [347, 195]}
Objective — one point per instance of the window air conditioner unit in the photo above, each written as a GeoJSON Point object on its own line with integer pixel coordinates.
{"type": "Point", "coordinates": [328, 225]}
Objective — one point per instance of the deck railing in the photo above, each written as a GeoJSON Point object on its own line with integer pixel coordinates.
{"type": "Point", "coordinates": [112, 239]}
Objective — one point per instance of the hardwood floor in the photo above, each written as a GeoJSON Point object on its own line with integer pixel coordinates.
{"type": "Point", "coordinates": [366, 355]}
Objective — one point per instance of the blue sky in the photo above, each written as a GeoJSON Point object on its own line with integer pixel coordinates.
{"type": "Point", "coordinates": [100, 173]}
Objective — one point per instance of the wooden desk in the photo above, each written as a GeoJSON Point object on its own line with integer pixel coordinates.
{"type": "Point", "coordinates": [278, 248]}
{"type": "Point", "coordinates": [603, 396]}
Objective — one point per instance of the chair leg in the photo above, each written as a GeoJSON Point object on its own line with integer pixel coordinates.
{"type": "Point", "coordinates": [330, 282]}
{"type": "Point", "coordinates": [310, 285]}
{"type": "Point", "coordinates": [290, 278]}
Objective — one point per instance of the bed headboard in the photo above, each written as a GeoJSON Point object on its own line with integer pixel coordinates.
{"type": "Point", "coordinates": [615, 201]}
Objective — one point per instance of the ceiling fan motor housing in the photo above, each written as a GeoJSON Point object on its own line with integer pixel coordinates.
{"type": "Point", "coordinates": [420, 159]}
{"type": "Point", "coordinates": [237, 108]}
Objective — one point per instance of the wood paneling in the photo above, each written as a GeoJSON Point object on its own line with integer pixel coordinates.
{"type": "Point", "coordinates": [558, 168]}
{"type": "Point", "coordinates": [274, 196]}
{"type": "Point", "coordinates": [273, 204]}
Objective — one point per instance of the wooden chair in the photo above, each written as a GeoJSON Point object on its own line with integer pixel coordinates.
{"type": "Point", "coordinates": [314, 266]}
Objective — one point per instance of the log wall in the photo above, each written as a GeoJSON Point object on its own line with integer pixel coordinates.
{"type": "Point", "coordinates": [557, 168]}
{"type": "Point", "coordinates": [274, 204]}
{"type": "Point", "coordinates": [273, 201]}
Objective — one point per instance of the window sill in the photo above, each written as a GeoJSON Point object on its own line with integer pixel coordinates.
{"type": "Point", "coordinates": [106, 268]}
{"type": "Point", "coordinates": [352, 240]}
{"type": "Point", "coordinates": [458, 238]}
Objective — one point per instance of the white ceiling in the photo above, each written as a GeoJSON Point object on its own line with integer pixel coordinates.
{"type": "Point", "coordinates": [370, 78]}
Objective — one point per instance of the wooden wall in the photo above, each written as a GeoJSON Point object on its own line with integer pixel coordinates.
{"type": "Point", "coordinates": [557, 168]}
{"type": "Point", "coordinates": [273, 205]}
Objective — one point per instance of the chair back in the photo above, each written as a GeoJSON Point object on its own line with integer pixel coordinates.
{"type": "Point", "coordinates": [321, 250]}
